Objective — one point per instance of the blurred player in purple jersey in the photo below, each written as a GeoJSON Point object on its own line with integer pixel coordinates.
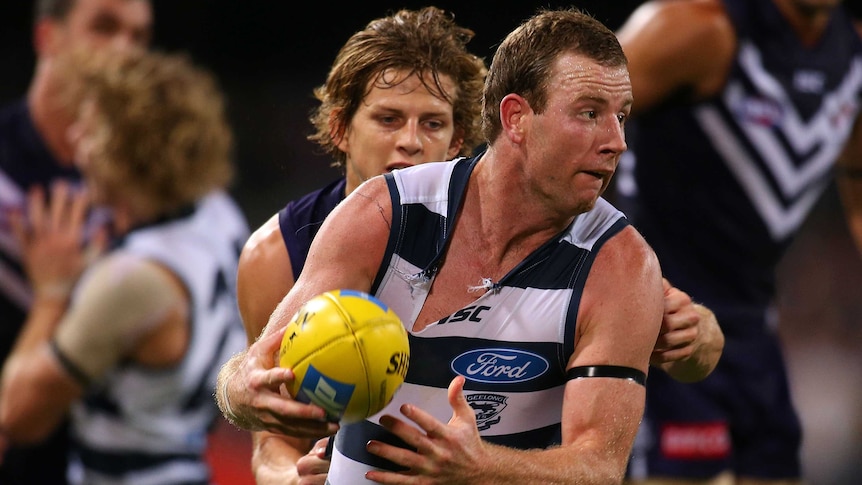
{"type": "Point", "coordinates": [35, 152]}
{"type": "Point", "coordinates": [744, 111]}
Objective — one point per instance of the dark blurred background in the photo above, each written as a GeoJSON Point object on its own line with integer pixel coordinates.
{"type": "Point", "coordinates": [268, 56]}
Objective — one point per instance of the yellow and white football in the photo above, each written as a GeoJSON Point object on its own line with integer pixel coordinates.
{"type": "Point", "coordinates": [349, 353]}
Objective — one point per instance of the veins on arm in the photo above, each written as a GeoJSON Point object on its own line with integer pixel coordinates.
{"type": "Point", "coordinates": [380, 208]}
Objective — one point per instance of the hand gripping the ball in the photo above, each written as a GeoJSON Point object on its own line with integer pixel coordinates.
{"type": "Point", "coordinates": [252, 395]}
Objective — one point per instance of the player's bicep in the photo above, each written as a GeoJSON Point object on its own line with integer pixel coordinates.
{"type": "Point", "coordinates": [347, 251]}
{"type": "Point", "coordinates": [618, 323]}
{"type": "Point", "coordinates": [121, 299]}
{"type": "Point", "coordinates": [621, 309]}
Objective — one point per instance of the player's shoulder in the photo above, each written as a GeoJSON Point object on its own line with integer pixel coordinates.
{"type": "Point", "coordinates": [123, 274]}
{"type": "Point", "coordinates": [626, 256]}
{"type": "Point", "coordinates": [264, 244]}
{"type": "Point", "coordinates": [692, 20]}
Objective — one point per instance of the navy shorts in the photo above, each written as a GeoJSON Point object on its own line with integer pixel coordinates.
{"type": "Point", "coordinates": [740, 418]}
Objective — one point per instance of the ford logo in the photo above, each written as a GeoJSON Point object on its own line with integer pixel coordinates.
{"type": "Point", "coordinates": [499, 365]}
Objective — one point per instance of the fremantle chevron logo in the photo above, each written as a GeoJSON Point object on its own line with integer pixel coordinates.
{"type": "Point", "coordinates": [500, 365]}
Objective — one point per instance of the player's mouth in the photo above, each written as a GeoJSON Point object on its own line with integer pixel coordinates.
{"type": "Point", "coordinates": [397, 165]}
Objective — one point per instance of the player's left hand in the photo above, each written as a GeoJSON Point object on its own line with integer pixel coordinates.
{"type": "Point", "coordinates": [313, 467]}
{"type": "Point", "coordinates": [445, 453]}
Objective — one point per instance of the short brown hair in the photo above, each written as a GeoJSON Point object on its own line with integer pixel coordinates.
{"type": "Point", "coordinates": [426, 41]}
{"type": "Point", "coordinates": [523, 62]}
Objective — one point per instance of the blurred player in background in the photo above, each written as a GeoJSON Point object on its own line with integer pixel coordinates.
{"type": "Point", "coordinates": [132, 348]}
{"type": "Point", "coordinates": [35, 151]}
{"type": "Point", "coordinates": [744, 110]}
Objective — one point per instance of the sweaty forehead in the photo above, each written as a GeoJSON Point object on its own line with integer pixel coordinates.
{"type": "Point", "coordinates": [580, 73]}
{"type": "Point", "coordinates": [404, 81]}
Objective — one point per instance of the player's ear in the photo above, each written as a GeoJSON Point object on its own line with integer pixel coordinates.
{"type": "Point", "coordinates": [455, 145]}
{"type": "Point", "coordinates": [45, 36]}
{"type": "Point", "coordinates": [514, 114]}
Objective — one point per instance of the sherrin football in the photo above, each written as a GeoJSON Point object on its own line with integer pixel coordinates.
{"type": "Point", "coordinates": [349, 353]}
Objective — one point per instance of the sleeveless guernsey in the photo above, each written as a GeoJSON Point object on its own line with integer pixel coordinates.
{"type": "Point", "coordinates": [512, 344]}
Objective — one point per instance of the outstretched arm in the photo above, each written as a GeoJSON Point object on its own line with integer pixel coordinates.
{"type": "Point", "coordinates": [49, 235]}
{"type": "Point", "coordinates": [264, 276]}
{"type": "Point", "coordinates": [251, 389]}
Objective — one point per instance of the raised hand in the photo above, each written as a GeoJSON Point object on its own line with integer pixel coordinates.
{"type": "Point", "coordinates": [52, 239]}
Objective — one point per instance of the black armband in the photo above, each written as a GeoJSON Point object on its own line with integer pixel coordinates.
{"type": "Point", "coordinates": [70, 366]}
{"type": "Point", "coordinates": [615, 371]}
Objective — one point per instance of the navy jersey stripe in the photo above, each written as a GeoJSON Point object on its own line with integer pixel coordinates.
{"type": "Point", "coordinates": [355, 450]}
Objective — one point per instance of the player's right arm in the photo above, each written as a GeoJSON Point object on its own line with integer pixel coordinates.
{"type": "Point", "coordinates": [249, 384]}
{"type": "Point", "coordinates": [264, 276]}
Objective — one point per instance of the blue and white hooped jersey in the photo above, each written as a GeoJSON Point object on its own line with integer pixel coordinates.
{"type": "Point", "coordinates": [148, 426]}
{"type": "Point", "coordinates": [720, 186]}
{"type": "Point", "coordinates": [512, 344]}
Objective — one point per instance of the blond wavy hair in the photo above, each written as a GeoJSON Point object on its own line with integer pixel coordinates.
{"type": "Point", "coordinates": [159, 137]}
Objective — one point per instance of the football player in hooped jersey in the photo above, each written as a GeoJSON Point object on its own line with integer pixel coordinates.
{"type": "Point", "coordinates": [540, 255]}
{"type": "Point", "coordinates": [387, 126]}
{"type": "Point", "coordinates": [131, 349]}
{"type": "Point", "coordinates": [741, 118]}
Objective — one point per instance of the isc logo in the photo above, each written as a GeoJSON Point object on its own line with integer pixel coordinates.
{"type": "Point", "coordinates": [471, 313]}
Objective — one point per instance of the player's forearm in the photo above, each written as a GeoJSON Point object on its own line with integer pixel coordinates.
{"type": "Point", "coordinates": [274, 458]}
{"type": "Point", "coordinates": [45, 313]}
{"type": "Point", "coordinates": [581, 464]}
{"type": "Point", "coordinates": [19, 415]}
{"type": "Point", "coordinates": [222, 393]}
{"type": "Point", "coordinates": [38, 329]}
